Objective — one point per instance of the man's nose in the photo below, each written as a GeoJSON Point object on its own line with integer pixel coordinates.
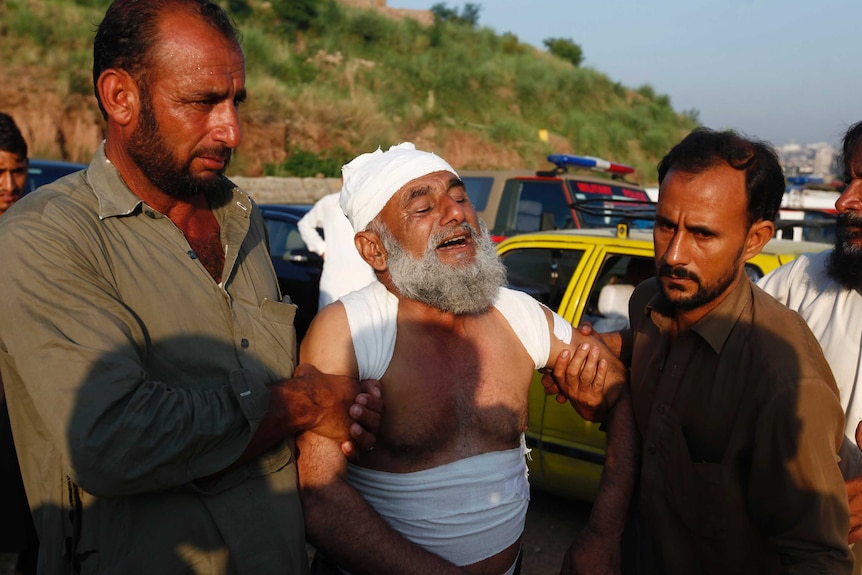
{"type": "Point", "coordinates": [676, 252]}
{"type": "Point", "coordinates": [227, 130]}
{"type": "Point", "coordinates": [850, 199]}
{"type": "Point", "coordinates": [453, 211]}
{"type": "Point", "coordinates": [7, 183]}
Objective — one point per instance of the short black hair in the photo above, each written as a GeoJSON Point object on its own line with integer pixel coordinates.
{"type": "Point", "coordinates": [851, 146]}
{"type": "Point", "coordinates": [703, 149]}
{"type": "Point", "coordinates": [11, 139]}
{"type": "Point", "coordinates": [128, 33]}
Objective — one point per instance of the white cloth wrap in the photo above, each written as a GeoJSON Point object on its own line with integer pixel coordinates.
{"type": "Point", "coordinates": [464, 511]}
{"type": "Point", "coordinates": [372, 314]}
{"type": "Point", "coordinates": [371, 179]}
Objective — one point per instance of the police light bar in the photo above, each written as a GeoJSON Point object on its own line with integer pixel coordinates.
{"type": "Point", "coordinates": [564, 160]}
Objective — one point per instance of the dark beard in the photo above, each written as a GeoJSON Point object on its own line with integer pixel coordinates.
{"type": "Point", "coordinates": [845, 261]}
{"type": "Point", "coordinates": [458, 290]}
{"type": "Point", "coordinates": [704, 294]}
{"type": "Point", "coordinates": [153, 156]}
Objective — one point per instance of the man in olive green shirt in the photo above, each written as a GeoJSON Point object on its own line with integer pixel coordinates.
{"type": "Point", "coordinates": [146, 350]}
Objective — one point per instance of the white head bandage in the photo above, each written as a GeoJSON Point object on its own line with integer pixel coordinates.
{"type": "Point", "coordinates": [372, 178]}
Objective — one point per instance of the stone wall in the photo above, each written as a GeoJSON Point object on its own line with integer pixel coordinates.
{"type": "Point", "coordinates": [272, 190]}
{"type": "Point", "coordinates": [424, 17]}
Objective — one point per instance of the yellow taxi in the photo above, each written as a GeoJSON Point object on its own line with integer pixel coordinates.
{"type": "Point", "coordinates": [588, 275]}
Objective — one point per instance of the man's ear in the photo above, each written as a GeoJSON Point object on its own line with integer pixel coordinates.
{"type": "Point", "coordinates": [371, 249]}
{"type": "Point", "coordinates": [120, 96]}
{"type": "Point", "coordinates": [759, 233]}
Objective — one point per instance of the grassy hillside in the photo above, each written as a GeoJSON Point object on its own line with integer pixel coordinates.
{"type": "Point", "coordinates": [334, 81]}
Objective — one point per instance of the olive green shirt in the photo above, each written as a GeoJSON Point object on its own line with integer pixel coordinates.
{"type": "Point", "coordinates": [740, 425]}
{"type": "Point", "coordinates": [132, 377]}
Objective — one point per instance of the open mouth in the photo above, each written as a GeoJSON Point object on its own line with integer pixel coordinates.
{"type": "Point", "coordinates": [456, 242]}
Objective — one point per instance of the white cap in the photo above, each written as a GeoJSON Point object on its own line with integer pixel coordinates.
{"type": "Point", "coordinates": [372, 178]}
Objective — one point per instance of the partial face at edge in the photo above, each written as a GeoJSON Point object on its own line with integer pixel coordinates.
{"type": "Point", "coordinates": [845, 261]}
{"type": "Point", "coordinates": [13, 179]}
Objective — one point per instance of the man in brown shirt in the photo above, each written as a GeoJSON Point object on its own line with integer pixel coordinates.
{"type": "Point", "coordinates": [737, 409]}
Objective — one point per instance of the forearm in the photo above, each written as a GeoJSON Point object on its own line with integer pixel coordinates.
{"type": "Point", "coordinates": [610, 508]}
{"type": "Point", "coordinates": [307, 227]}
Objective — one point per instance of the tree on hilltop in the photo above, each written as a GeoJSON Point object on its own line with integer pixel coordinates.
{"type": "Point", "coordinates": [469, 14]}
{"type": "Point", "coordinates": [565, 49]}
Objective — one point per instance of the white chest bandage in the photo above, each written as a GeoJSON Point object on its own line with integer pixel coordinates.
{"type": "Point", "coordinates": [464, 511]}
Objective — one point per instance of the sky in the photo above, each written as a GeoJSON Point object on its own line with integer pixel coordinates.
{"type": "Point", "coordinates": [779, 70]}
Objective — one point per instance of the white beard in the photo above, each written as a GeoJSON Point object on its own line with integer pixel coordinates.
{"type": "Point", "coordinates": [457, 289]}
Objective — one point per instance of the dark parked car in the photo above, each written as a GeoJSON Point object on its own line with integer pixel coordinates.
{"type": "Point", "coordinates": [41, 172]}
{"type": "Point", "coordinates": [298, 269]}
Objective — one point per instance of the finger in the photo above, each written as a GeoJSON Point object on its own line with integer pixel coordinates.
{"type": "Point", "coordinates": [371, 400]}
{"type": "Point", "coordinates": [368, 419]}
{"type": "Point", "coordinates": [576, 367]}
{"type": "Point", "coordinates": [854, 535]}
{"type": "Point", "coordinates": [561, 398]}
{"type": "Point", "coordinates": [361, 438]}
{"type": "Point", "coordinates": [586, 328]}
{"type": "Point", "coordinates": [590, 370]}
{"type": "Point", "coordinates": [859, 435]}
{"type": "Point", "coordinates": [609, 394]}
{"type": "Point", "coordinates": [560, 366]}
{"type": "Point", "coordinates": [548, 383]}
{"type": "Point", "coordinates": [371, 386]}
{"type": "Point", "coordinates": [349, 451]}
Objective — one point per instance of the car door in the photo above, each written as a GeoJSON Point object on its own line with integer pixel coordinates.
{"type": "Point", "coordinates": [567, 275]}
{"type": "Point", "coordinates": [572, 449]}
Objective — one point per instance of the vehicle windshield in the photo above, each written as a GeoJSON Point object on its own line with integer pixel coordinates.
{"type": "Point", "coordinates": [606, 205]}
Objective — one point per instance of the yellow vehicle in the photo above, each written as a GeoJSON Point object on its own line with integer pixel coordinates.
{"type": "Point", "coordinates": [588, 275]}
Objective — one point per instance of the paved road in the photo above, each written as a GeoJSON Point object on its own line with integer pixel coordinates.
{"type": "Point", "coordinates": [552, 524]}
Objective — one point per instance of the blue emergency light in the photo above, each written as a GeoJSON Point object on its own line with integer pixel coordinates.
{"type": "Point", "coordinates": [562, 161]}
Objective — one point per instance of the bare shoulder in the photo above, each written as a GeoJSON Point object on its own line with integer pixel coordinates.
{"type": "Point", "coordinates": [327, 345]}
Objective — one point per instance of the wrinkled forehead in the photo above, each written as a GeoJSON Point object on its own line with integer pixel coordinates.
{"type": "Point", "coordinates": [441, 180]}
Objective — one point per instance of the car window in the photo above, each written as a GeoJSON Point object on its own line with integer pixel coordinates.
{"type": "Point", "coordinates": [539, 198]}
{"type": "Point", "coordinates": [283, 237]}
{"type": "Point", "coordinates": [607, 304]}
{"type": "Point", "coordinates": [543, 273]}
{"type": "Point", "coordinates": [478, 190]}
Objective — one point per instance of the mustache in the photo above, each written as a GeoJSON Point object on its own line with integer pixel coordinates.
{"type": "Point", "coordinates": [222, 153]}
{"type": "Point", "coordinates": [437, 238]}
{"type": "Point", "coordinates": [677, 272]}
{"type": "Point", "coordinates": [848, 219]}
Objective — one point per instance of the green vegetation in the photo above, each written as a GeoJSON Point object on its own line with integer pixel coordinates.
{"type": "Point", "coordinates": [342, 80]}
{"type": "Point", "coordinates": [566, 49]}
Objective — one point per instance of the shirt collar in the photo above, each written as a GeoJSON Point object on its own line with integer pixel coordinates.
{"type": "Point", "coordinates": [116, 199]}
{"type": "Point", "coordinates": [714, 327]}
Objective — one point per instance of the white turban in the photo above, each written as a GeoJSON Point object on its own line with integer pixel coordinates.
{"type": "Point", "coordinates": [372, 178]}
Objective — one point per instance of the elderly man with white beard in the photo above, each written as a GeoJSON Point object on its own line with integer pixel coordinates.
{"type": "Point", "coordinates": [445, 489]}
